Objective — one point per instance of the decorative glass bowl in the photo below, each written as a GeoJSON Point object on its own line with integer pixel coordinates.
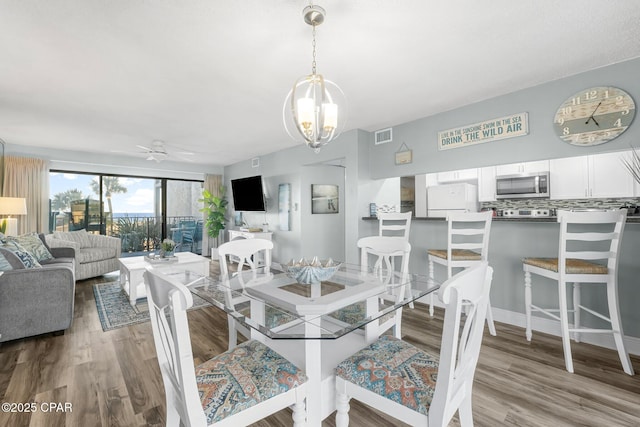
{"type": "Point", "coordinates": [314, 271]}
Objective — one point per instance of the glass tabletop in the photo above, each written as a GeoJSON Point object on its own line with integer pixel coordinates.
{"type": "Point", "coordinates": [280, 307]}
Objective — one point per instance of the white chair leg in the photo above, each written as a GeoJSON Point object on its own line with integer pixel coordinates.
{"type": "Point", "coordinates": [172, 417]}
{"type": "Point", "coordinates": [490, 324]}
{"type": "Point", "coordinates": [564, 326]}
{"type": "Point", "coordinates": [342, 404]}
{"type": "Point", "coordinates": [431, 280]}
{"type": "Point", "coordinates": [616, 326]}
{"type": "Point", "coordinates": [576, 311]}
{"type": "Point", "coordinates": [299, 411]}
{"type": "Point", "coordinates": [233, 333]}
{"type": "Point", "coordinates": [465, 411]}
{"type": "Point", "coordinates": [527, 303]}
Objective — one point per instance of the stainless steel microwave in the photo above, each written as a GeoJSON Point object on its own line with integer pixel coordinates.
{"type": "Point", "coordinates": [523, 186]}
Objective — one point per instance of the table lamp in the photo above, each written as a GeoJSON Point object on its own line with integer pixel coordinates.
{"type": "Point", "coordinates": [11, 206]}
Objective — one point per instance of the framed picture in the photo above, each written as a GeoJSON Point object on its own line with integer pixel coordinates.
{"type": "Point", "coordinates": [324, 199]}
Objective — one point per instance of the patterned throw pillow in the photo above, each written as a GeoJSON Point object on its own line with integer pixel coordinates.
{"type": "Point", "coordinates": [32, 243]}
{"type": "Point", "coordinates": [27, 259]}
{"type": "Point", "coordinates": [4, 263]}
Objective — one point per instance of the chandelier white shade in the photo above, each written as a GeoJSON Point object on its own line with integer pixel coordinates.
{"type": "Point", "coordinates": [315, 110]}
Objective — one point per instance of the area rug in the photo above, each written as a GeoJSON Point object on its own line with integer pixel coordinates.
{"type": "Point", "coordinates": [115, 311]}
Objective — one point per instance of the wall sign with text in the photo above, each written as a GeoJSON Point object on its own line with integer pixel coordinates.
{"type": "Point", "coordinates": [490, 130]}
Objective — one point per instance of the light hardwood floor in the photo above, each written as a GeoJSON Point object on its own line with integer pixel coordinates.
{"type": "Point", "coordinates": [112, 378]}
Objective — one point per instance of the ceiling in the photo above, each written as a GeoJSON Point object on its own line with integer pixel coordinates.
{"type": "Point", "coordinates": [210, 77]}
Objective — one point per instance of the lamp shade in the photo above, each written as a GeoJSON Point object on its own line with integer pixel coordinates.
{"type": "Point", "coordinates": [13, 206]}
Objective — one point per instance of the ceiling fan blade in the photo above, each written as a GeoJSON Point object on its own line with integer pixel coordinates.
{"type": "Point", "coordinates": [142, 147]}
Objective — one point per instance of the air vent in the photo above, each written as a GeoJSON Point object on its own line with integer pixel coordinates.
{"type": "Point", "coordinates": [255, 162]}
{"type": "Point", "coordinates": [383, 136]}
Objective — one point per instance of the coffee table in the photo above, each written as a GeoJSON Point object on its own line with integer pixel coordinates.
{"type": "Point", "coordinates": [132, 269]}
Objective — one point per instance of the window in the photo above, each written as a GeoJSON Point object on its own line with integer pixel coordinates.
{"type": "Point", "coordinates": [131, 208]}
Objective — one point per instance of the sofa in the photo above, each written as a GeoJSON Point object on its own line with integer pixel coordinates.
{"type": "Point", "coordinates": [95, 254]}
{"type": "Point", "coordinates": [35, 301]}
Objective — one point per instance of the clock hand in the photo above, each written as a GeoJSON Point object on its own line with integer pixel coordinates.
{"type": "Point", "coordinates": [591, 116]}
{"type": "Point", "coordinates": [594, 121]}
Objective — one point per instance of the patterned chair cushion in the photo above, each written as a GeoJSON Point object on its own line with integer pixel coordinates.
{"type": "Point", "coordinates": [574, 266]}
{"type": "Point", "coordinates": [356, 313]}
{"type": "Point", "coordinates": [243, 377]}
{"type": "Point", "coordinates": [456, 254]}
{"type": "Point", "coordinates": [396, 370]}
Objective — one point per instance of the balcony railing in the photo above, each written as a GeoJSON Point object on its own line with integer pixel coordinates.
{"type": "Point", "coordinates": [140, 234]}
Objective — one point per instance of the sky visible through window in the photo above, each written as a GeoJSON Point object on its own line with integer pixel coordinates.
{"type": "Point", "coordinates": [137, 200]}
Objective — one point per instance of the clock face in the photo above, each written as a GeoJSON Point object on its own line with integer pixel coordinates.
{"type": "Point", "coordinates": [594, 116]}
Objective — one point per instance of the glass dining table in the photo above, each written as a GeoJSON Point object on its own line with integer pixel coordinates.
{"type": "Point", "coordinates": [314, 325]}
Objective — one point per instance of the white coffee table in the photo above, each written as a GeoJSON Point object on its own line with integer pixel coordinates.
{"type": "Point", "coordinates": [132, 269]}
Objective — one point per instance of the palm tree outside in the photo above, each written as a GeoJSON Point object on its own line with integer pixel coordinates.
{"type": "Point", "coordinates": [110, 185]}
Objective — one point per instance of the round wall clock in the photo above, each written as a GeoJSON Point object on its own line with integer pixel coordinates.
{"type": "Point", "coordinates": [594, 116]}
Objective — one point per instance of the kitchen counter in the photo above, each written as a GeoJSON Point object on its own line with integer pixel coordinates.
{"type": "Point", "coordinates": [635, 219]}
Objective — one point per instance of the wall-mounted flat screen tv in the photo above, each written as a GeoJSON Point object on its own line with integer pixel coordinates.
{"type": "Point", "coordinates": [248, 194]}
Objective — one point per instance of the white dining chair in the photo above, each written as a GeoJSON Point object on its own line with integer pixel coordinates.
{"type": "Point", "coordinates": [412, 385]}
{"type": "Point", "coordinates": [467, 245]}
{"type": "Point", "coordinates": [397, 224]}
{"type": "Point", "coordinates": [238, 387]}
{"type": "Point", "coordinates": [382, 250]}
{"type": "Point", "coordinates": [255, 254]}
{"type": "Point", "coordinates": [588, 254]}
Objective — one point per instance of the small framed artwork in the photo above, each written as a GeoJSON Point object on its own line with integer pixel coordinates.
{"type": "Point", "coordinates": [324, 199]}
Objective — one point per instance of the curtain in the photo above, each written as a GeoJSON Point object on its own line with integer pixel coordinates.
{"type": "Point", "coordinates": [213, 184]}
{"type": "Point", "coordinates": [29, 178]}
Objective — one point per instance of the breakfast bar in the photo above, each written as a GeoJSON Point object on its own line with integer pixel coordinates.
{"type": "Point", "coordinates": [511, 240]}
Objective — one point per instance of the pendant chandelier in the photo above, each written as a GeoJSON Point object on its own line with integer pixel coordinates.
{"type": "Point", "coordinates": [315, 110]}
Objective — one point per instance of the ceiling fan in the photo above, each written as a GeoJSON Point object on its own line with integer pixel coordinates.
{"type": "Point", "coordinates": [158, 151]}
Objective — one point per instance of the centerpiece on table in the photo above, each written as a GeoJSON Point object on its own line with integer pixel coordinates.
{"type": "Point", "coordinates": [315, 271]}
{"type": "Point", "coordinates": [167, 248]}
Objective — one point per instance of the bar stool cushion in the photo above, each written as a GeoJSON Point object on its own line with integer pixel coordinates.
{"type": "Point", "coordinates": [243, 377]}
{"type": "Point", "coordinates": [456, 254]}
{"type": "Point", "coordinates": [574, 266]}
{"type": "Point", "coordinates": [396, 370]}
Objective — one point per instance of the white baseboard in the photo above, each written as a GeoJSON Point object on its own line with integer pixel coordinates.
{"type": "Point", "coordinates": [552, 327]}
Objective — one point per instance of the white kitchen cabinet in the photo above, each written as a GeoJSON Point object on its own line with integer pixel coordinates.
{"type": "Point", "coordinates": [523, 168]}
{"type": "Point", "coordinates": [608, 177]}
{"type": "Point", "coordinates": [487, 184]}
{"type": "Point", "coordinates": [459, 175]}
{"type": "Point", "coordinates": [569, 178]}
{"type": "Point", "coordinates": [594, 176]}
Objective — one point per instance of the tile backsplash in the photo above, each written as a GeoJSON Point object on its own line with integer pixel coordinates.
{"type": "Point", "coordinates": [561, 204]}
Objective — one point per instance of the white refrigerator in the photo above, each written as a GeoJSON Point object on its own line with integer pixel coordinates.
{"type": "Point", "coordinates": [460, 197]}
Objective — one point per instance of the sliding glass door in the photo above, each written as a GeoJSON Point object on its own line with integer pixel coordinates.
{"type": "Point", "coordinates": [140, 211]}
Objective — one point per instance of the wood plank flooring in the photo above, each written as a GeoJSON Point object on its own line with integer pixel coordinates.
{"type": "Point", "coordinates": [112, 378]}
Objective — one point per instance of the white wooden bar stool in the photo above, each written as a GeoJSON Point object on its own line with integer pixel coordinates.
{"type": "Point", "coordinates": [395, 224]}
{"type": "Point", "coordinates": [588, 254]}
{"type": "Point", "coordinates": [467, 245]}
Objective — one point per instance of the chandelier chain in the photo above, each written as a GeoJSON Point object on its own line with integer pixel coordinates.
{"type": "Point", "coordinates": [313, 44]}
